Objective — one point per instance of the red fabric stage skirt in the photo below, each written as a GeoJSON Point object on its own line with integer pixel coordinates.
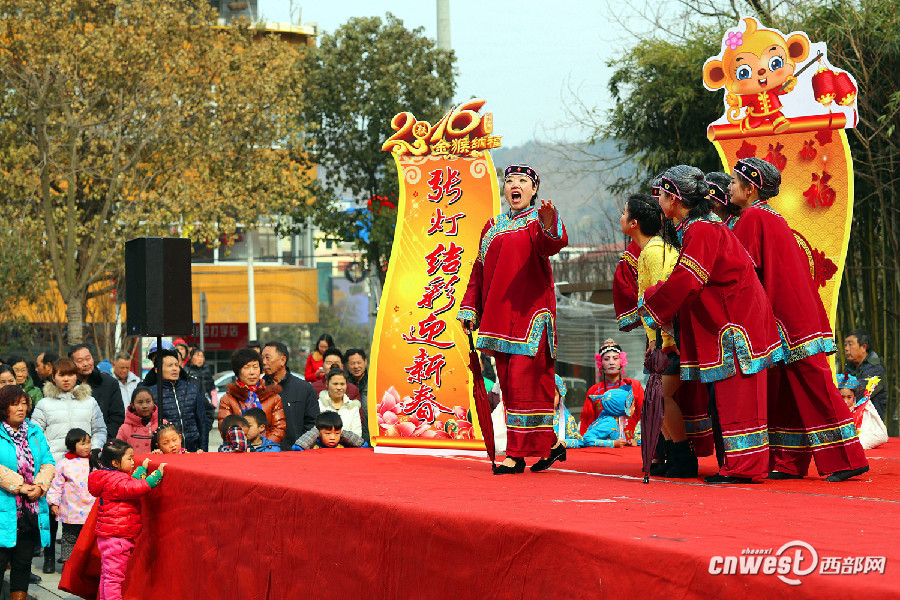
{"type": "Point", "coordinates": [351, 523]}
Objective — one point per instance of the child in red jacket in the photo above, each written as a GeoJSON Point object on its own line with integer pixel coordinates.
{"type": "Point", "coordinates": [119, 513]}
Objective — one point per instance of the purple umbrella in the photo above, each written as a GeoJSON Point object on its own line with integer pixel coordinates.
{"type": "Point", "coordinates": [482, 404]}
{"type": "Point", "coordinates": [652, 409]}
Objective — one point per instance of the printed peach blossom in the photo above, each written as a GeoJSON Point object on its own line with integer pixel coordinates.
{"type": "Point", "coordinates": [404, 418]}
{"type": "Point", "coordinates": [406, 429]}
{"type": "Point", "coordinates": [388, 418]}
{"type": "Point", "coordinates": [388, 403]}
{"type": "Point", "coordinates": [421, 429]}
{"type": "Point", "coordinates": [460, 412]}
{"type": "Point", "coordinates": [390, 399]}
{"type": "Point", "coordinates": [390, 431]}
{"type": "Point", "coordinates": [434, 434]}
{"type": "Point", "coordinates": [465, 431]}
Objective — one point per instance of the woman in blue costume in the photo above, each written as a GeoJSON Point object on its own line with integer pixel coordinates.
{"type": "Point", "coordinates": [605, 431]}
{"type": "Point", "coordinates": [611, 361]}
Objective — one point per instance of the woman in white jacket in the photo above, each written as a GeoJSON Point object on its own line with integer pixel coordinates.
{"type": "Point", "coordinates": [65, 407]}
{"type": "Point", "coordinates": [334, 398]}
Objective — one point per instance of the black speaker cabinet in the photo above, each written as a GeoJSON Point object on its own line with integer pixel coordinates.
{"type": "Point", "coordinates": [158, 286]}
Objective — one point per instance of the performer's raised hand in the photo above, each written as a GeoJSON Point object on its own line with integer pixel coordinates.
{"type": "Point", "coordinates": [546, 213]}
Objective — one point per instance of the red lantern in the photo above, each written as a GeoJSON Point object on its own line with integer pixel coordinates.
{"type": "Point", "coordinates": [823, 86]}
{"type": "Point", "coordinates": [845, 91]}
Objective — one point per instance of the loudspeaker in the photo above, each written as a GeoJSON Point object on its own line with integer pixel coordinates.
{"type": "Point", "coordinates": [158, 286]}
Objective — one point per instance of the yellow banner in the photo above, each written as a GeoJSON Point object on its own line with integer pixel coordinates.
{"type": "Point", "coordinates": [816, 196]}
{"type": "Point", "coordinates": [784, 103]}
{"type": "Point", "coordinates": [419, 375]}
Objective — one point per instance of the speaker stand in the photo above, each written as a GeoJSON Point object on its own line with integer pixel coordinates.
{"type": "Point", "coordinates": [159, 386]}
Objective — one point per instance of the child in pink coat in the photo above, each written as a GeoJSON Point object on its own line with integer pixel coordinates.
{"type": "Point", "coordinates": [119, 513]}
{"type": "Point", "coordinates": [141, 421]}
{"type": "Point", "coordinates": [68, 496]}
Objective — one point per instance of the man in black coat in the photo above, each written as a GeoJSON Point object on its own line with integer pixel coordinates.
{"type": "Point", "coordinates": [298, 398]}
{"type": "Point", "coordinates": [358, 375]}
{"type": "Point", "coordinates": [863, 363]}
{"type": "Point", "coordinates": [43, 364]}
{"type": "Point", "coordinates": [105, 389]}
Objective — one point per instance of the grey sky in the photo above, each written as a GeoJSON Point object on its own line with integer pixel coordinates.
{"type": "Point", "coordinates": [521, 56]}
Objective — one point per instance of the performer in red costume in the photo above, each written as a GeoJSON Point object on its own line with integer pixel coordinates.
{"type": "Point", "coordinates": [807, 416]}
{"type": "Point", "coordinates": [728, 333]}
{"type": "Point", "coordinates": [625, 287]}
{"type": "Point", "coordinates": [511, 300]}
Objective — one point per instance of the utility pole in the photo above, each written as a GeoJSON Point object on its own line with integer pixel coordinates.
{"type": "Point", "coordinates": [443, 35]}
{"type": "Point", "coordinates": [251, 290]}
{"type": "Point", "coordinates": [202, 319]}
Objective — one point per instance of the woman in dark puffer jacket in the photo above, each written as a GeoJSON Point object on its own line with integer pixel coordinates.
{"type": "Point", "coordinates": [181, 403]}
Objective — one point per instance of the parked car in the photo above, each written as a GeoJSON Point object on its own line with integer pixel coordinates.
{"type": "Point", "coordinates": [222, 379]}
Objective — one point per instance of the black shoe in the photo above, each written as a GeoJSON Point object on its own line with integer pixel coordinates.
{"type": "Point", "coordinates": [558, 453]}
{"type": "Point", "coordinates": [666, 458]}
{"type": "Point", "coordinates": [32, 578]}
{"type": "Point", "coordinates": [682, 462]}
{"type": "Point", "coordinates": [49, 567]}
{"type": "Point", "coordinates": [502, 469]}
{"type": "Point", "coordinates": [780, 475]}
{"type": "Point", "coordinates": [657, 469]}
{"type": "Point", "coordinates": [847, 474]}
{"type": "Point", "coordinates": [726, 479]}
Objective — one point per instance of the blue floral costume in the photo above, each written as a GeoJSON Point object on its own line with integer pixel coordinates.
{"type": "Point", "coordinates": [604, 431]}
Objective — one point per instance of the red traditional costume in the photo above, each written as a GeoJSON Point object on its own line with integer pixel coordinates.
{"type": "Point", "coordinates": [625, 288]}
{"type": "Point", "coordinates": [728, 335]}
{"type": "Point", "coordinates": [511, 299]}
{"type": "Point", "coordinates": [807, 416]}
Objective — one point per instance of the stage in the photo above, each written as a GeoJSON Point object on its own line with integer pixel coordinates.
{"type": "Point", "coordinates": [352, 523]}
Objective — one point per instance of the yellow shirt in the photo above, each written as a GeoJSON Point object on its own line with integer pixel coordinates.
{"type": "Point", "coordinates": [655, 264]}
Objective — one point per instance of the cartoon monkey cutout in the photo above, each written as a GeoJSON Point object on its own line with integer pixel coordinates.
{"type": "Point", "coordinates": [756, 67]}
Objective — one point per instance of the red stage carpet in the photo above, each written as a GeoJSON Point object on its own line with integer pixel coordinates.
{"type": "Point", "coordinates": [353, 524]}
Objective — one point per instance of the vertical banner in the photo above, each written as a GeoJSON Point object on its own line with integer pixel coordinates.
{"type": "Point", "coordinates": [418, 376]}
{"type": "Point", "coordinates": [786, 104]}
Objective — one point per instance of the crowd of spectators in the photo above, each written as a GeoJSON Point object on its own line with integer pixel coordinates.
{"type": "Point", "coordinates": [267, 408]}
